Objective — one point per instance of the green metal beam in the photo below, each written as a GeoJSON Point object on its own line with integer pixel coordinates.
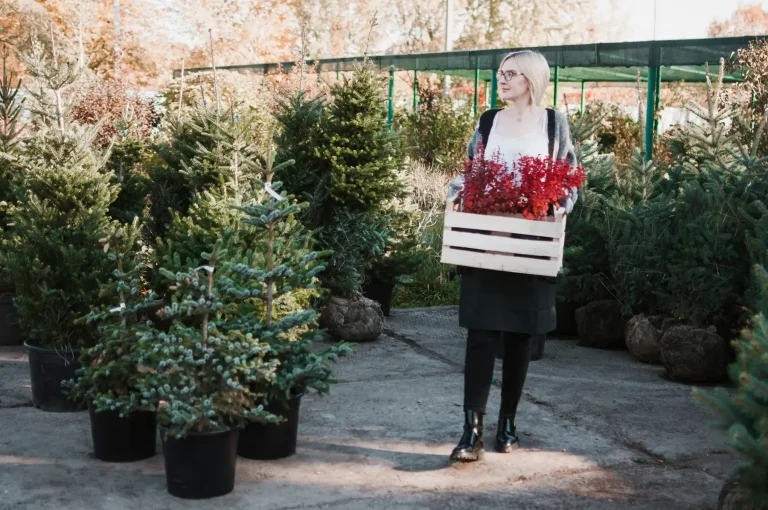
{"type": "Point", "coordinates": [601, 74]}
{"type": "Point", "coordinates": [583, 97]}
{"type": "Point", "coordinates": [649, 112]}
{"type": "Point", "coordinates": [391, 105]}
{"type": "Point", "coordinates": [557, 82]}
{"type": "Point", "coordinates": [494, 87]}
{"type": "Point", "coordinates": [701, 73]}
{"type": "Point", "coordinates": [595, 74]}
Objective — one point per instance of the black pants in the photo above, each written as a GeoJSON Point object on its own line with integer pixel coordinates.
{"type": "Point", "coordinates": [478, 369]}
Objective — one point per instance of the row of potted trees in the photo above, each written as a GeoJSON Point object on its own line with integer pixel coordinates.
{"type": "Point", "coordinates": [219, 363]}
{"type": "Point", "coordinates": [213, 349]}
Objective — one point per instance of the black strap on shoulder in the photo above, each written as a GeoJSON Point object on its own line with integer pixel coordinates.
{"type": "Point", "coordinates": [551, 131]}
{"type": "Point", "coordinates": [486, 123]}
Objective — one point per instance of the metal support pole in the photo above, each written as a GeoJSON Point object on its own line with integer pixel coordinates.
{"type": "Point", "coordinates": [557, 83]}
{"type": "Point", "coordinates": [415, 91]}
{"type": "Point", "coordinates": [649, 111]}
{"type": "Point", "coordinates": [337, 71]}
{"type": "Point", "coordinates": [391, 106]}
{"type": "Point", "coordinates": [494, 87]}
{"type": "Point", "coordinates": [448, 42]}
{"type": "Point", "coordinates": [477, 83]}
{"type": "Point", "coordinates": [583, 97]}
{"type": "Point", "coordinates": [657, 103]}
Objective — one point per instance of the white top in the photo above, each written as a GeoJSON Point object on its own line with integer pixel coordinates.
{"type": "Point", "coordinates": [512, 148]}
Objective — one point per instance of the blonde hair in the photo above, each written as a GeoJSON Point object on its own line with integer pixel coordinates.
{"type": "Point", "coordinates": [535, 68]}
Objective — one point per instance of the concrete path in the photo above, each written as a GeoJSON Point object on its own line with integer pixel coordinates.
{"type": "Point", "coordinates": [599, 431]}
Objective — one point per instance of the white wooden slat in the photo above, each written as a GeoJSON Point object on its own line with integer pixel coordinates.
{"type": "Point", "coordinates": [510, 264]}
{"type": "Point", "coordinates": [452, 238]}
{"type": "Point", "coordinates": [543, 228]}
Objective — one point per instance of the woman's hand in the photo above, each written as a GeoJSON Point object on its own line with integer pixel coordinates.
{"type": "Point", "coordinates": [457, 199]}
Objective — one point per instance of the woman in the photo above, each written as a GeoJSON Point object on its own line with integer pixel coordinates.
{"type": "Point", "coordinates": [508, 307]}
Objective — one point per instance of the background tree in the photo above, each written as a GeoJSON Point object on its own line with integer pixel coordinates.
{"type": "Point", "coordinates": [749, 19]}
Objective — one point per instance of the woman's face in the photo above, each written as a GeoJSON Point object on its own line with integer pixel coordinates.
{"type": "Point", "coordinates": [513, 85]}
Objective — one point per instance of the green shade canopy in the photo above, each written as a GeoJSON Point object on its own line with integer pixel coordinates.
{"type": "Point", "coordinates": [682, 60]}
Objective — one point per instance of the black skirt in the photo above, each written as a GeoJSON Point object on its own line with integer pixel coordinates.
{"type": "Point", "coordinates": [513, 302]}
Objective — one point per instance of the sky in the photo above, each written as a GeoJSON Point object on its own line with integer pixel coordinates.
{"type": "Point", "coordinates": [677, 19]}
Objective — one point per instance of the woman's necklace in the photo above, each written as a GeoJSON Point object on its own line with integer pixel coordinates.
{"type": "Point", "coordinates": [520, 117]}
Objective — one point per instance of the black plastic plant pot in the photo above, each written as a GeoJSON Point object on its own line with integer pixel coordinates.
{"type": "Point", "coordinates": [48, 368]}
{"type": "Point", "coordinates": [200, 465]}
{"type": "Point", "coordinates": [10, 333]}
{"type": "Point", "coordinates": [126, 439]}
{"type": "Point", "coordinates": [269, 441]}
{"type": "Point", "coordinates": [381, 292]}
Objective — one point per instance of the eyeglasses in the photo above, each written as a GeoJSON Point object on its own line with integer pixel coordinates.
{"type": "Point", "coordinates": [508, 75]}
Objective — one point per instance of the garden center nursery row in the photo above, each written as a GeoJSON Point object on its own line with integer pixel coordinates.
{"type": "Point", "coordinates": [197, 269]}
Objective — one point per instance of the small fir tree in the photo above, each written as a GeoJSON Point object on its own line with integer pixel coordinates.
{"type": "Point", "coordinates": [298, 115]}
{"type": "Point", "coordinates": [10, 108]}
{"type": "Point", "coordinates": [205, 373]}
{"type": "Point", "coordinates": [53, 255]}
{"type": "Point", "coordinates": [357, 240]}
{"type": "Point", "coordinates": [361, 156]}
{"type": "Point", "coordinates": [56, 78]}
{"type": "Point", "coordinates": [713, 143]}
{"type": "Point", "coordinates": [10, 137]}
{"type": "Point", "coordinates": [172, 189]}
{"type": "Point", "coordinates": [281, 269]}
{"type": "Point", "coordinates": [110, 368]}
{"type": "Point", "coordinates": [436, 133]}
{"type": "Point", "coordinates": [705, 259]}
{"type": "Point", "coordinates": [401, 254]}
{"type": "Point", "coordinates": [349, 172]}
{"type": "Point", "coordinates": [219, 177]}
{"type": "Point", "coordinates": [586, 267]}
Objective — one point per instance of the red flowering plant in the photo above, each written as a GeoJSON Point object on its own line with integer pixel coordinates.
{"type": "Point", "coordinates": [530, 187]}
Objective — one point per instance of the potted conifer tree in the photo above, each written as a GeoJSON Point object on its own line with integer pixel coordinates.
{"type": "Point", "coordinates": [349, 161]}
{"type": "Point", "coordinates": [205, 374]}
{"type": "Point", "coordinates": [58, 215]}
{"type": "Point", "coordinates": [54, 257]}
{"type": "Point", "coordinates": [274, 282]}
{"type": "Point", "coordinates": [123, 428]}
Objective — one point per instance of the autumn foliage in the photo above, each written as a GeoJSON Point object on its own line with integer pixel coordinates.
{"type": "Point", "coordinates": [530, 187]}
{"type": "Point", "coordinates": [109, 102]}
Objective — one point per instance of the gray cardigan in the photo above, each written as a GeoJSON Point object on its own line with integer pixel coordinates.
{"type": "Point", "coordinates": [563, 148]}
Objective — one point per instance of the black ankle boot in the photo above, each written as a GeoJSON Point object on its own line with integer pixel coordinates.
{"type": "Point", "coordinates": [471, 445]}
{"type": "Point", "coordinates": [506, 438]}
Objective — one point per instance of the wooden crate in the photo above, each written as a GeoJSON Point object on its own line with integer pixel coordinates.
{"type": "Point", "coordinates": [492, 246]}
